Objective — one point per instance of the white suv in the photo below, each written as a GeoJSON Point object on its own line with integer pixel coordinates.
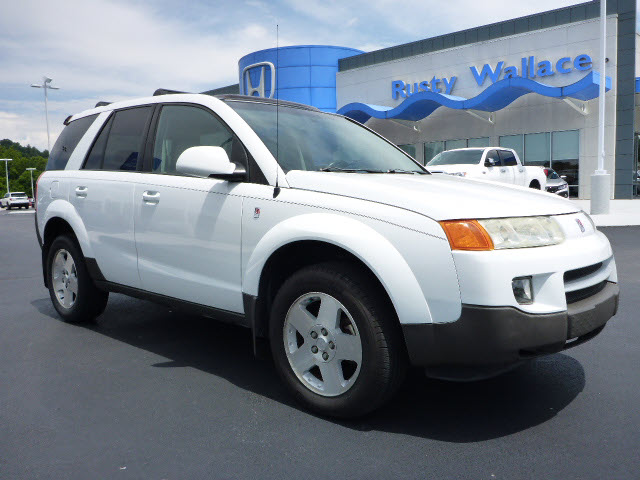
{"type": "Point", "coordinates": [320, 236]}
{"type": "Point", "coordinates": [15, 199]}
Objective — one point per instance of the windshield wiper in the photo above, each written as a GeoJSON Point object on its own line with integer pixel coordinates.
{"type": "Point", "coordinates": [399, 170]}
{"type": "Point", "coordinates": [350, 170]}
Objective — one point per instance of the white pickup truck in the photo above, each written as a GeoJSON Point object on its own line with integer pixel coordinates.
{"type": "Point", "coordinates": [495, 164]}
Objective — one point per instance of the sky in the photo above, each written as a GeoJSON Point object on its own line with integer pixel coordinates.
{"type": "Point", "coordinates": [114, 50]}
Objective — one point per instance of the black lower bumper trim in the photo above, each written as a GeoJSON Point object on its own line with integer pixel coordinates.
{"type": "Point", "coordinates": [505, 335]}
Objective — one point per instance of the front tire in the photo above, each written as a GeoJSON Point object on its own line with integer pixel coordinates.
{"type": "Point", "coordinates": [72, 292]}
{"type": "Point", "coordinates": [336, 343]}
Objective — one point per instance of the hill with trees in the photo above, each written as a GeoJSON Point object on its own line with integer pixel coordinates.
{"type": "Point", "coordinates": [22, 158]}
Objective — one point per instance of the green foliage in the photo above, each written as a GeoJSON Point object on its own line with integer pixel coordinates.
{"type": "Point", "coordinates": [22, 158]}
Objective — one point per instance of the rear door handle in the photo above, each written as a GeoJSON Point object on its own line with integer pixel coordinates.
{"type": "Point", "coordinates": [503, 169]}
{"type": "Point", "coordinates": [81, 191]}
{"type": "Point", "coordinates": [150, 196]}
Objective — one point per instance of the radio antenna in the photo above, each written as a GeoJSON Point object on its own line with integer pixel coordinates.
{"type": "Point", "coordinates": [276, 190]}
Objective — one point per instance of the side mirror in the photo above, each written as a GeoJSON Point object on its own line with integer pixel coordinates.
{"type": "Point", "coordinates": [490, 162]}
{"type": "Point", "coordinates": [209, 162]}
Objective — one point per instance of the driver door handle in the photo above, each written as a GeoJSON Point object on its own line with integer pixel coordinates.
{"type": "Point", "coordinates": [151, 197]}
{"type": "Point", "coordinates": [503, 169]}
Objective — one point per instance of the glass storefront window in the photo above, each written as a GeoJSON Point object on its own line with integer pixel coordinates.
{"type": "Point", "coordinates": [431, 149]}
{"type": "Point", "coordinates": [537, 149]}
{"type": "Point", "coordinates": [515, 142]}
{"type": "Point", "coordinates": [451, 144]}
{"type": "Point", "coordinates": [565, 156]}
{"type": "Point", "coordinates": [565, 145]}
{"type": "Point", "coordinates": [410, 149]}
{"type": "Point", "coordinates": [479, 142]}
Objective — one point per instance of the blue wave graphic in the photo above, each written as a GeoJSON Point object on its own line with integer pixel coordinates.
{"type": "Point", "coordinates": [493, 98]}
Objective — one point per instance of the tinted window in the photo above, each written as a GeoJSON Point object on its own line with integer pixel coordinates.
{"type": "Point", "coordinates": [94, 159]}
{"type": "Point", "coordinates": [493, 155]}
{"type": "Point", "coordinates": [508, 158]}
{"type": "Point", "coordinates": [67, 142]}
{"type": "Point", "coordinates": [121, 141]}
{"type": "Point", "coordinates": [181, 127]}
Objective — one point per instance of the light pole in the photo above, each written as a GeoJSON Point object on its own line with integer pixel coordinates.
{"type": "Point", "coordinates": [600, 179]}
{"type": "Point", "coordinates": [46, 84]}
{"type": "Point", "coordinates": [31, 169]}
{"type": "Point", "coordinates": [6, 169]}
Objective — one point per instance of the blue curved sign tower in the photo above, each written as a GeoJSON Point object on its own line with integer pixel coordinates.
{"type": "Point", "coordinates": [304, 74]}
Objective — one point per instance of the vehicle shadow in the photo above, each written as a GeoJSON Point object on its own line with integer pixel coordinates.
{"type": "Point", "coordinates": [435, 409]}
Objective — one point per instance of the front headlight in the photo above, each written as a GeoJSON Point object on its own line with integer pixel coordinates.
{"type": "Point", "coordinates": [522, 232]}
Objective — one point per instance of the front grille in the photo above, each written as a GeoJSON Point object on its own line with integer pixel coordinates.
{"type": "Point", "coordinates": [571, 275]}
{"type": "Point", "coordinates": [583, 293]}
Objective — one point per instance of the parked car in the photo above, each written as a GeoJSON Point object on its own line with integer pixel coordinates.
{"type": "Point", "coordinates": [494, 164]}
{"type": "Point", "coordinates": [319, 236]}
{"type": "Point", "coordinates": [15, 200]}
{"type": "Point", "coordinates": [556, 183]}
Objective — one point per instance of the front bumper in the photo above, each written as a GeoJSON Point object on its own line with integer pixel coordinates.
{"type": "Point", "coordinates": [502, 336]}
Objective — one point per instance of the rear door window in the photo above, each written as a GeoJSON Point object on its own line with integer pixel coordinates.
{"type": "Point", "coordinates": [508, 158]}
{"type": "Point", "coordinates": [120, 143]}
{"type": "Point", "coordinates": [493, 155]}
{"type": "Point", "coordinates": [67, 142]}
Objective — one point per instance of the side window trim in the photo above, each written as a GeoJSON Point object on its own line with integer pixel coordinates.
{"type": "Point", "coordinates": [147, 157]}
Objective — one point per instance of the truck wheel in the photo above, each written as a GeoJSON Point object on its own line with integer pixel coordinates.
{"type": "Point", "coordinates": [535, 184]}
{"type": "Point", "coordinates": [336, 345]}
{"type": "Point", "coordinates": [73, 293]}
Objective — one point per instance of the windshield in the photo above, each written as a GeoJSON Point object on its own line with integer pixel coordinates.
{"type": "Point", "coordinates": [457, 157]}
{"type": "Point", "coordinates": [316, 141]}
{"type": "Point", "coordinates": [551, 174]}
{"type": "Point", "coordinates": [18, 194]}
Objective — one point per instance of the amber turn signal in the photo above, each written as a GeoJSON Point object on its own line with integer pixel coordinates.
{"type": "Point", "coordinates": [467, 235]}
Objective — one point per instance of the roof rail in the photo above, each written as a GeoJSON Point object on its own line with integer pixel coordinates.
{"type": "Point", "coordinates": [165, 91]}
{"type": "Point", "coordinates": [102, 104]}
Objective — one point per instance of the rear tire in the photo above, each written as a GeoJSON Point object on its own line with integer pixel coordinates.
{"type": "Point", "coordinates": [535, 185]}
{"type": "Point", "coordinates": [335, 341]}
{"type": "Point", "coordinates": [73, 294]}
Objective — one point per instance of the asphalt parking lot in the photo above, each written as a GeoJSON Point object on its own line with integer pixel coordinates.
{"type": "Point", "coordinates": [152, 394]}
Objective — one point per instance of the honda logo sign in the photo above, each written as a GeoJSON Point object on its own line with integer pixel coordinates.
{"type": "Point", "coordinates": [260, 88]}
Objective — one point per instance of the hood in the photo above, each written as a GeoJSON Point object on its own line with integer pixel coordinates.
{"type": "Point", "coordinates": [555, 182]}
{"type": "Point", "coordinates": [441, 197]}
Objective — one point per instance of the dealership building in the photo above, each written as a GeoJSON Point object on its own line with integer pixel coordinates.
{"type": "Point", "coordinates": [530, 84]}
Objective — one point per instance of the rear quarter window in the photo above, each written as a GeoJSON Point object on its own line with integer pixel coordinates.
{"type": "Point", "coordinates": [67, 142]}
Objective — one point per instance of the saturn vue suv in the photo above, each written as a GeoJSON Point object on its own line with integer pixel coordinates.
{"type": "Point", "coordinates": [338, 252]}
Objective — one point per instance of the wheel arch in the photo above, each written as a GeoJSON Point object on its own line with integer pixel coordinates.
{"type": "Point", "coordinates": [61, 218]}
{"type": "Point", "coordinates": [315, 238]}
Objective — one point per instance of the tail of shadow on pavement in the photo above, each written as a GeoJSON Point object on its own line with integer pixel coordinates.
{"type": "Point", "coordinates": [447, 411]}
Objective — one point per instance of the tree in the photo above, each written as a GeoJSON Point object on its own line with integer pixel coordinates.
{"type": "Point", "coordinates": [22, 158]}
